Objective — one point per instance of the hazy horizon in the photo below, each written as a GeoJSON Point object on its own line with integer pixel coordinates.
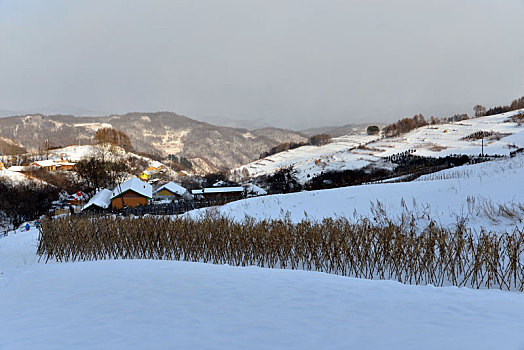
{"type": "Point", "coordinates": [293, 64]}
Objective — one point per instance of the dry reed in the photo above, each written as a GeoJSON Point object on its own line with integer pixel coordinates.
{"type": "Point", "coordinates": [403, 253]}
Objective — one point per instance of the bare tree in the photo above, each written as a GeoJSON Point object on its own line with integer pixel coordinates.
{"type": "Point", "coordinates": [479, 111]}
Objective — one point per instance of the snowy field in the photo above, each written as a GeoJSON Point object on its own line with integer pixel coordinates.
{"type": "Point", "coordinates": [431, 141]}
{"type": "Point", "coordinates": [144, 304]}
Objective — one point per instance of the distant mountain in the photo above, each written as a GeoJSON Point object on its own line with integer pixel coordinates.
{"type": "Point", "coordinates": [208, 146]}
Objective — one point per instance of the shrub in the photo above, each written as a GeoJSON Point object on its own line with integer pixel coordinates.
{"type": "Point", "coordinates": [319, 140]}
{"type": "Point", "coordinates": [373, 130]}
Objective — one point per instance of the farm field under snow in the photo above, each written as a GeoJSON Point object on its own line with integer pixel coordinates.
{"type": "Point", "coordinates": [137, 304]}
{"type": "Point", "coordinates": [430, 141]}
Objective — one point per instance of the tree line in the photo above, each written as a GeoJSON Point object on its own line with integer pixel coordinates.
{"type": "Point", "coordinates": [315, 140]}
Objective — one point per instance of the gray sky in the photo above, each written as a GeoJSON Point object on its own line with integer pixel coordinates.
{"type": "Point", "coordinates": [295, 64]}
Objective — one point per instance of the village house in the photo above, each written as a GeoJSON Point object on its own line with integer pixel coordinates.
{"type": "Point", "coordinates": [171, 190]}
{"type": "Point", "coordinates": [131, 193]}
{"type": "Point", "coordinates": [145, 175]}
{"type": "Point", "coordinates": [65, 164]}
{"type": "Point", "coordinates": [45, 164]}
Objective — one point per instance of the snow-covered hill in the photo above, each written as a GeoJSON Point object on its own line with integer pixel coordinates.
{"type": "Point", "coordinates": [146, 304]}
{"type": "Point", "coordinates": [472, 194]}
{"type": "Point", "coordinates": [357, 151]}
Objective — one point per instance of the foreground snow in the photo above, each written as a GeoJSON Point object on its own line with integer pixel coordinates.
{"type": "Point", "coordinates": [139, 304]}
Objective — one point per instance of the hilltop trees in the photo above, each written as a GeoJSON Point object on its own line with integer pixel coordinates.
{"type": "Point", "coordinates": [479, 111]}
{"type": "Point", "coordinates": [515, 104]}
{"type": "Point", "coordinates": [113, 137]}
{"type": "Point", "coordinates": [405, 125]}
{"type": "Point", "coordinates": [315, 140]}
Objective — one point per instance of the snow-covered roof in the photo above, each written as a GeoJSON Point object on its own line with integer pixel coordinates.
{"type": "Point", "coordinates": [218, 190]}
{"type": "Point", "coordinates": [101, 199]}
{"type": "Point", "coordinates": [45, 163]}
{"type": "Point", "coordinates": [173, 188]}
{"type": "Point", "coordinates": [259, 191]}
{"type": "Point", "coordinates": [136, 185]}
{"type": "Point", "coordinates": [18, 168]}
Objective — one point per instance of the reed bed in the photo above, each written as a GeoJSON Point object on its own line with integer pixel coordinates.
{"type": "Point", "coordinates": [404, 253]}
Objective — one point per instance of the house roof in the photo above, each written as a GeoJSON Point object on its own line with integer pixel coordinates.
{"type": "Point", "coordinates": [259, 191]}
{"type": "Point", "coordinates": [45, 163]}
{"type": "Point", "coordinates": [135, 185]}
{"type": "Point", "coordinates": [18, 168]}
{"type": "Point", "coordinates": [173, 188]}
{"type": "Point", "coordinates": [101, 199]}
{"type": "Point", "coordinates": [218, 190]}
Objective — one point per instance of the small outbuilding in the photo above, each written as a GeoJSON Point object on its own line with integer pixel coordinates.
{"type": "Point", "coordinates": [219, 192]}
{"type": "Point", "coordinates": [254, 190]}
{"type": "Point", "coordinates": [65, 165]}
{"type": "Point", "coordinates": [101, 200]}
{"type": "Point", "coordinates": [131, 193]}
{"type": "Point", "coordinates": [171, 190]}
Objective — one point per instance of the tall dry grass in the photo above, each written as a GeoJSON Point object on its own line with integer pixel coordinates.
{"type": "Point", "coordinates": [399, 252]}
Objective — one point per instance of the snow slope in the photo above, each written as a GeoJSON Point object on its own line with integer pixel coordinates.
{"type": "Point", "coordinates": [14, 176]}
{"type": "Point", "coordinates": [311, 160]}
{"type": "Point", "coordinates": [145, 304]}
{"type": "Point", "coordinates": [447, 196]}
{"type": "Point", "coordinates": [358, 151]}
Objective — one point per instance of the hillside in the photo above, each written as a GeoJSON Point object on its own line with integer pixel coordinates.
{"type": "Point", "coordinates": [210, 147]}
{"type": "Point", "coordinates": [8, 147]}
{"type": "Point", "coordinates": [484, 195]}
{"type": "Point", "coordinates": [504, 135]}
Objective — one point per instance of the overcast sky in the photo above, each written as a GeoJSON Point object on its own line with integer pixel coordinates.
{"type": "Point", "coordinates": [294, 63]}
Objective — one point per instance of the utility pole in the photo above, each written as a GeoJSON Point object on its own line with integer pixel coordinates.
{"type": "Point", "coordinates": [482, 144]}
